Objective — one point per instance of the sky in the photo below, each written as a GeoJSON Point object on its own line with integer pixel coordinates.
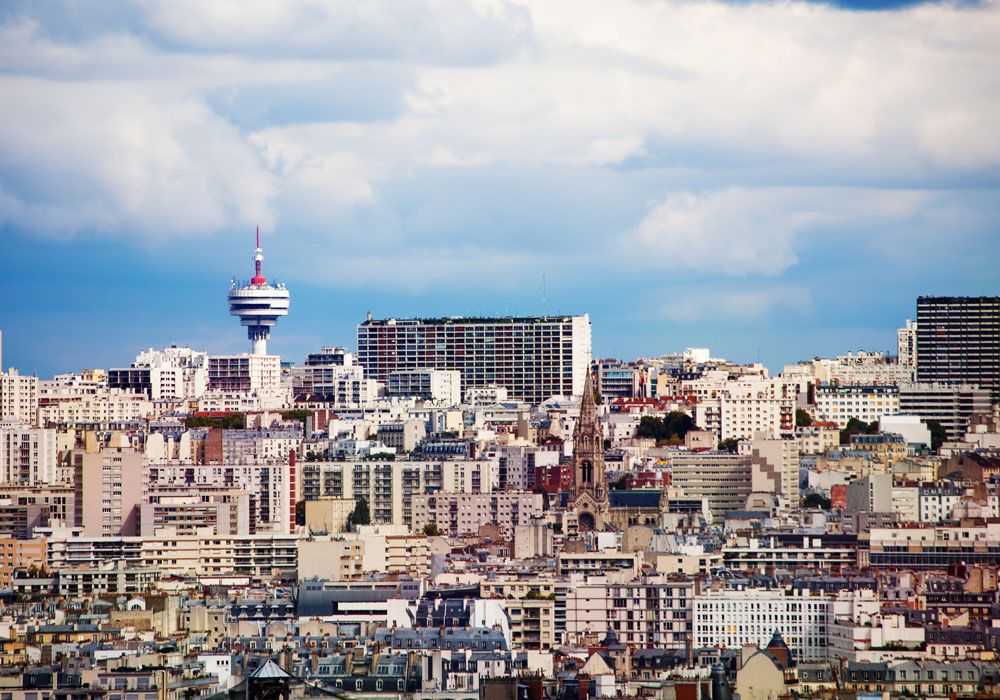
{"type": "Point", "coordinates": [773, 180]}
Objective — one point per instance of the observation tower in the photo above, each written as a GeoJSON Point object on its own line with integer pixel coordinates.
{"type": "Point", "coordinates": [257, 303]}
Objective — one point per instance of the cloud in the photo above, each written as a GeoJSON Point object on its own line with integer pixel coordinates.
{"type": "Point", "coordinates": [185, 117]}
{"type": "Point", "coordinates": [756, 231]}
{"type": "Point", "coordinates": [692, 305]}
{"type": "Point", "coordinates": [98, 158]}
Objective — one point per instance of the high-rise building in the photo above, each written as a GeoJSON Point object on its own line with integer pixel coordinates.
{"type": "Point", "coordinates": [533, 358]}
{"type": "Point", "coordinates": [109, 485]}
{"type": "Point", "coordinates": [906, 349]}
{"type": "Point", "coordinates": [958, 341]}
{"type": "Point", "coordinates": [258, 304]}
{"type": "Point", "coordinates": [18, 396]}
{"type": "Point", "coordinates": [27, 453]}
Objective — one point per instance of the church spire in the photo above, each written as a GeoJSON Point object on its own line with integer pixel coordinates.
{"type": "Point", "coordinates": [588, 409]}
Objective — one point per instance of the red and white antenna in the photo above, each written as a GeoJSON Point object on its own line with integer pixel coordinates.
{"type": "Point", "coordinates": [258, 259]}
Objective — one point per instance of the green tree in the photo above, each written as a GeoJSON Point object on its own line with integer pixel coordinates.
{"type": "Point", "coordinates": [670, 428]}
{"type": "Point", "coordinates": [856, 426]}
{"type": "Point", "coordinates": [360, 515]}
{"type": "Point", "coordinates": [802, 418]}
{"type": "Point", "coordinates": [729, 445]}
{"type": "Point", "coordinates": [300, 512]}
{"type": "Point", "coordinates": [619, 484]}
{"type": "Point", "coordinates": [230, 421]}
{"type": "Point", "coordinates": [297, 414]}
{"type": "Point", "coordinates": [431, 530]}
{"type": "Point", "coordinates": [938, 434]}
{"type": "Point", "coordinates": [816, 500]}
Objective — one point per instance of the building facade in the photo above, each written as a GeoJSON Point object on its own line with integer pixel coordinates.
{"type": "Point", "coordinates": [533, 358]}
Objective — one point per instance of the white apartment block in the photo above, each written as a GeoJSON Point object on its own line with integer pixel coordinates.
{"type": "Point", "coordinates": [260, 446]}
{"type": "Point", "coordinates": [27, 454]}
{"type": "Point", "coordinates": [838, 404]}
{"type": "Point", "coordinates": [84, 398]}
{"type": "Point", "coordinates": [18, 396]}
{"type": "Point", "coordinates": [465, 513]}
{"type": "Point", "coordinates": [390, 486]}
{"type": "Point", "coordinates": [732, 618]}
{"type": "Point", "coordinates": [740, 408]}
{"type": "Point", "coordinates": [273, 398]}
{"type": "Point", "coordinates": [274, 486]}
{"type": "Point", "coordinates": [533, 358]}
{"type": "Point", "coordinates": [171, 373]}
{"type": "Point", "coordinates": [443, 386]}
{"type": "Point", "coordinates": [648, 611]}
{"type": "Point", "coordinates": [258, 556]}
{"type": "Point", "coordinates": [817, 438]}
{"type": "Point", "coordinates": [906, 349]}
{"type": "Point", "coordinates": [243, 372]}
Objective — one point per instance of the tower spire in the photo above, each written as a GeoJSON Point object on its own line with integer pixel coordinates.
{"type": "Point", "coordinates": [258, 261]}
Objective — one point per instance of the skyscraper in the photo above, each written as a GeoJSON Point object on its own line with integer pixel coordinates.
{"type": "Point", "coordinates": [533, 358]}
{"type": "Point", "coordinates": [958, 341]}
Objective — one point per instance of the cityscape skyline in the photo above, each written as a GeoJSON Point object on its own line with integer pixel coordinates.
{"type": "Point", "coordinates": [216, 333]}
{"type": "Point", "coordinates": [787, 194]}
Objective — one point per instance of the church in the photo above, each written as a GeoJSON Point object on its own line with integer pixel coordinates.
{"type": "Point", "coordinates": [596, 508]}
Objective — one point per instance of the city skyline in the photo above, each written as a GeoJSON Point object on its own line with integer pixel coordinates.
{"type": "Point", "coordinates": [781, 191]}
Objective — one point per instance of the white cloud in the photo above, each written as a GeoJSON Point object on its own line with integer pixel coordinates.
{"type": "Point", "coordinates": [125, 162]}
{"type": "Point", "coordinates": [117, 132]}
{"type": "Point", "coordinates": [740, 305]}
{"type": "Point", "coordinates": [749, 231]}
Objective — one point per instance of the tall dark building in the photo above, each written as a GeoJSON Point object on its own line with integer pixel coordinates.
{"type": "Point", "coordinates": [958, 341]}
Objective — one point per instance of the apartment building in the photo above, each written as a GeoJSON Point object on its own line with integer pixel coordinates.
{"type": "Point", "coordinates": [27, 454]}
{"type": "Point", "coordinates": [243, 372]}
{"type": "Point", "coordinates": [255, 556]}
{"type": "Point", "coordinates": [109, 487]}
{"type": "Point", "coordinates": [722, 479]}
{"type": "Point", "coordinates": [465, 513]}
{"type": "Point", "coordinates": [440, 385]}
{"type": "Point", "coordinates": [172, 373]}
{"type": "Point", "coordinates": [951, 405]}
{"type": "Point", "coordinates": [733, 618]}
{"type": "Point", "coordinates": [390, 486]}
{"type": "Point", "coordinates": [18, 396]}
{"type": "Point", "coordinates": [533, 358]}
{"type": "Point", "coordinates": [839, 403]}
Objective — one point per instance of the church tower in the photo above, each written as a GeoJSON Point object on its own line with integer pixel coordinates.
{"type": "Point", "coordinates": [590, 490]}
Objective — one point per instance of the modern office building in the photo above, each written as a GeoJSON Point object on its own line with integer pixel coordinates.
{"type": "Point", "coordinates": [951, 405]}
{"type": "Point", "coordinates": [958, 341]}
{"type": "Point", "coordinates": [533, 358]}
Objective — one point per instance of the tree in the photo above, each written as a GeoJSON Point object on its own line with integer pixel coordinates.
{"type": "Point", "coordinates": [297, 414]}
{"type": "Point", "coordinates": [729, 445]}
{"type": "Point", "coordinates": [671, 427]}
{"type": "Point", "coordinates": [938, 434]}
{"type": "Point", "coordinates": [619, 484]}
{"type": "Point", "coordinates": [360, 515]}
{"type": "Point", "coordinates": [230, 421]}
{"type": "Point", "coordinates": [431, 530]}
{"type": "Point", "coordinates": [300, 512]}
{"type": "Point", "coordinates": [856, 426]}
{"type": "Point", "coordinates": [816, 500]}
{"type": "Point", "coordinates": [802, 418]}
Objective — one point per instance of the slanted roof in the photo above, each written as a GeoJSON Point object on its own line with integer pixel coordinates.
{"type": "Point", "coordinates": [596, 666]}
{"type": "Point", "coordinates": [269, 669]}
